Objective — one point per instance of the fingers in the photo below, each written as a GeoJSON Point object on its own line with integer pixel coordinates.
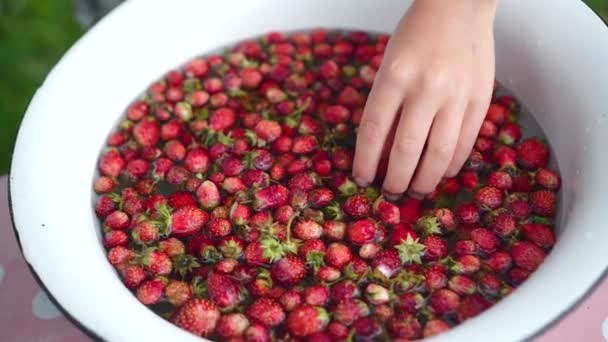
{"type": "Point", "coordinates": [378, 117]}
{"type": "Point", "coordinates": [440, 148]}
{"type": "Point", "coordinates": [473, 118]}
{"type": "Point", "coordinates": [413, 127]}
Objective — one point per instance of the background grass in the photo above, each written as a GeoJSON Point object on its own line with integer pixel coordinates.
{"type": "Point", "coordinates": [33, 36]}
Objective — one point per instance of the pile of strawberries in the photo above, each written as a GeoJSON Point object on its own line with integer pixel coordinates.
{"type": "Point", "coordinates": [227, 205]}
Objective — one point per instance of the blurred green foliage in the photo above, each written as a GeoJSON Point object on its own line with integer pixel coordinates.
{"type": "Point", "coordinates": [33, 36]}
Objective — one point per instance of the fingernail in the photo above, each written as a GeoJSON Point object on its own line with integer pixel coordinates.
{"type": "Point", "coordinates": [415, 195]}
{"type": "Point", "coordinates": [390, 196]}
{"type": "Point", "coordinates": [361, 182]}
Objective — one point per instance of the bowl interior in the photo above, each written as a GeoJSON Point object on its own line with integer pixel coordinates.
{"type": "Point", "coordinates": [559, 76]}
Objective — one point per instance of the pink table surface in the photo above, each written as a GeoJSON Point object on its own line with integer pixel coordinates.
{"type": "Point", "coordinates": [28, 315]}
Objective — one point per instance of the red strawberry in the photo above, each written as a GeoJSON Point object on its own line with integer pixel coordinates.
{"type": "Point", "coordinates": [489, 285]}
{"type": "Point", "coordinates": [338, 255]}
{"type": "Point", "coordinates": [499, 262]}
{"type": "Point", "coordinates": [532, 153]}
{"type": "Point", "coordinates": [266, 311]}
{"type": "Point", "coordinates": [357, 206]}
{"type": "Point", "coordinates": [407, 327]}
{"type": "Point", "coordinates": [444, 301]}
{"type": "Point", "coordinates": [307, 230]}
{"type": "Point", "coordinates": [466, 264]}
{"type": "Point", "coordinates": [302, 181]}
{"type": "Point", "coordinates": [334, 230]}
{"type": "Point", "coordinates": [232, 166]}
{"type": "Point", "coordinates": [497, 113]}
{"type": "Point", "coordinates": [232, 185]}
{"type": "Point", "coordinates": [435, 277]}
{"type": "Point", "coordinates": [208, 195]}
{"type": "Point", "coordinates": [472, 306]}
{"type": "Point", "coordinates": [145, 232]}
{"type": "Point", "coordinates": [387, 262]}
{"type": "Point", "coordinates": [117, 220]}
{"type": "Point", "coordinates": [400, 233]}
{"type": "Point", "coordinates": [268, 130]}
{"type": "Point", "coordinates": [157, 262]}
{"type": "Point", "coordinates": [348, 311]}
{"type": "Point", "coordinates": [503, 224]}
{"type": "Point", "coordinates": [271, 197]}
{"type": "Point", "coordinates": [362, 231]}
{"type": "Point", "coordinates": [307, 320]}
{"type": "Point", "coordinates": [288, 271]}
{"type": "Point", "coordinates": [104, 206]}
{"type": "Point", "coordinates": [316, 295]}
{"type": "Point", "coordinates": [540, 234]}
{"type": "Point", "coordinates": [115, 238]}
{"type": "Point", "coordinates": [505, 157]}
{"type": "Point", "coordinates": [485, 239]}
{"type": "Point", "coordinates": [386, 211]}
{"type": "Point", "coordinates": [222, 119]}
{"type": "Point", "coordinates": [188, 221]}
{"type": "Point", "coordinates": [120, 255]}
{"type": "Point", "coordinates": [462, 285]}
{"type": "Point", "coordinates": [321, 197]}
{"type": "Point", "coordinates": [181, 199]}
{"type": "Point", "coordinates": [548, 179]}
{"type": "Point", "coordinates": [304, 144]}
{"type": "Point", "coordinates": [488, 198]}
{"type": "Point", "coordinates": [178, 292]}
{"type": "Point", "coordinates": [150, 291]}
{"type": "Point", "coordinates": [509, 134]}
{"type": "Point", "coordinates": [290, 300]}
{"type": "Point", "coordinates": [436, 247]}
{"type": "Point", "coordinates": [104, 185]}
{"type": "Point", "coordinates": [467, 213]}
{"type": "Point", "coordinates": [435, 327]}
{"type": "Point", "coordinates": [500, 180]}
{"type": "Point", "coordinates": [336, 114]}
{"type": "Point", "coordinates": [527, 255]}
{"type": "Point", "coordinates": [465, 247]}
{"type": "Point", "coordinates": [111, 163]}
{"type": "Point", "coordinates": [198, 316]}
{"type": "Point", "coordinates": [223, 291]}
{"type": "Point", "coordinates": [542, 202]}
{"type": "Point", "coordinates": [147, 132]}
{"type": "Point", "coordinates": [219, 227]}
{"type": "Point", "coordinates": [518, 275]}
{"type": "Point", "coordinates": [133, 276]}
{"type": "Point", "coordinates": [257, 333]}
{"type": "Point", "coordinates": [197, 160]}
{"type": "Point", "coordinates": [488, 129]}
{"type": "Point", "coordinates": [232, 325]}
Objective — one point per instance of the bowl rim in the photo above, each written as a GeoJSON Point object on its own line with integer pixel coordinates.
{"type": "Point", "coordinates": [90, 331]}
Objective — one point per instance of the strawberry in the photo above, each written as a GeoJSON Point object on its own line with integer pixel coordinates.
{"type": "Point", "coordinates": [542, 202]}
{"type": "Point", "coordinates": [120, 255]}
{"type": "Point", "coordinates": [316, 295]}
{"type": "Point", "coordinates": [377, 294]}
{"type": "Point", "coordinates": [532, 153]}
{"type": "Point", "coordinates": [157, 262]}
{"type": "Point", "coordinates": [198, 316]}
{"type": "Point", "coordinates": [509, 134]}
{"type": "Point", "coordinates": [270, 197]}
{"type": "Point", "coordinates": [517, 275]}
{"type": "Point", "coordinates": [302, 181]}
{"type": "Point", "coordinates": [444, 301]}
{"type": "Point", "coordinates": [338, 255]}
{"type": "Point", "coordinates": [145, 232]}
{"type": "Point", "coordinates": [348, 311]}
{"type": "Point", "coordinates": [497, 113]}
{"type": "Point", "coordinates": [344, 290]}
{"type": "Point", "coordinates": [104, 185]}
{"type": "Point", "coordinates": [387, 262]}
{"type": "Point", "coordinates": [288, 271]}
{"type": "Point", "coordinates": [257, 333]}
{"type": "Point", "coordinates": [307, 320]}
{"type": "Point", "coordinates": [488, 129]}
{"type": "Point", "coordinates": [268, 130]}
{"type": "Point", "coordinates": [334, 230]}
{"type": "Point", "coordinates": [538, 233]}
{"type": "Point", "coordinates": [503, 224]}
{"type": "Point", "coordinates": [548, 179]}
{"type": "Point", "coordinates": [219, 227]}
{"type": "Point", "coordinates": [489, 285]}
{"type": "Point", "coordinates": [435, 327]}
{"type": "Point", "coordinates": [362, 231]}
{"type": "Point", "coordinates": [150, 291]}
{"type": "Point", "coordinates": [485, 239]}
{"type": "Point", "coordinates": [467, 213]}
{"type": "Point", "coordinates": [186, 220]}
{"type": "Point", "coordinates": [232, 325]}
{"type": "Point", "coordinates": [304, 144]}
{"type": "Point", "coordinates": [462, 285]}
{"type": "Point", "coordinates": [307, 230]}
{"type": "Point", "coordinates": [505, 157]}
{"type": "Point", "coordinates": [197, 160]}
{"type": "Point", "coordinates": [267, 312]}
{"type": "Point", "coordinates": [369, 250]}
{"type": "Point", "coordinates": [208, 195]}
{"type": "Point", "coordinates": [223, 291]}
{"type": "Point", "coordinates": [256, 178]}
{"type": "Point", "coordinates": [405, 327]}
{"type": "Point", "coordinates": [111, 163]}
{"type": "Point", "coordinates": [471, 306]}
{"type": "Point", "coordinates": [435, 276]}
{"type": "Point", "coordinates": [386, 211]}
{"type": "Point", "coordinates": [232, 185]}
{"type": "Point", "coordinates": [357, 206]}
{"type": "Point", "coordinates": [488, 198]}
{"type": "Point", "coordinates": [527, 255]}
{"type": "Point", "coordinates": [466, 264]}
{"type": "Point", "coordinates": [436, 247]}
{"type": "Point", "coordinates": [465, 247]}
{"type": "Point", "coordinates": [147, 132]}
{"type": "Point", "coordinates": [320, 197]}
{"type": "Point", "coordinates": [500, 180]}
{"type": "Point", "coordinates": [104, 206]}
{"type": "Point", "coordinates": [181, 199]}
{"type": "Point", "coordinates": [117, 220]}
{"type": "Point", "coordinates": [115, 238]}
{"type": "Point", "coordinates": [400, 233]}
{"type": "Point", "coordinates": [222, 119]}
{"type": "Point", "coordinates": [178, 292]}
{"type": "Point", "coordinates": [133, 276]}
{"type": "Point", "coordinates": [499, 262]}
{"type": "Point", "coordinates": [290, 300]}
{"type": "Point", "coordinates": [336, 114]}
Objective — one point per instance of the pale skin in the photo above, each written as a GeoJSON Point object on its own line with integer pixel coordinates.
{"type": "Point", "coordinates": [430, 96]}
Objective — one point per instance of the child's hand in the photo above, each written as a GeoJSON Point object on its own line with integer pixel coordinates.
{"type": "Point", "coordinates": [434, 86]}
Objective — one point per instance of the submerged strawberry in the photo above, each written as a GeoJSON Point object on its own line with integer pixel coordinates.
{"type": "Point", "coordinates": [198, 316]}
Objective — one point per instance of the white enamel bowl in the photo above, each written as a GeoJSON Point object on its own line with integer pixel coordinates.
{"type": "Point", "coordinates": [551, 54]}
